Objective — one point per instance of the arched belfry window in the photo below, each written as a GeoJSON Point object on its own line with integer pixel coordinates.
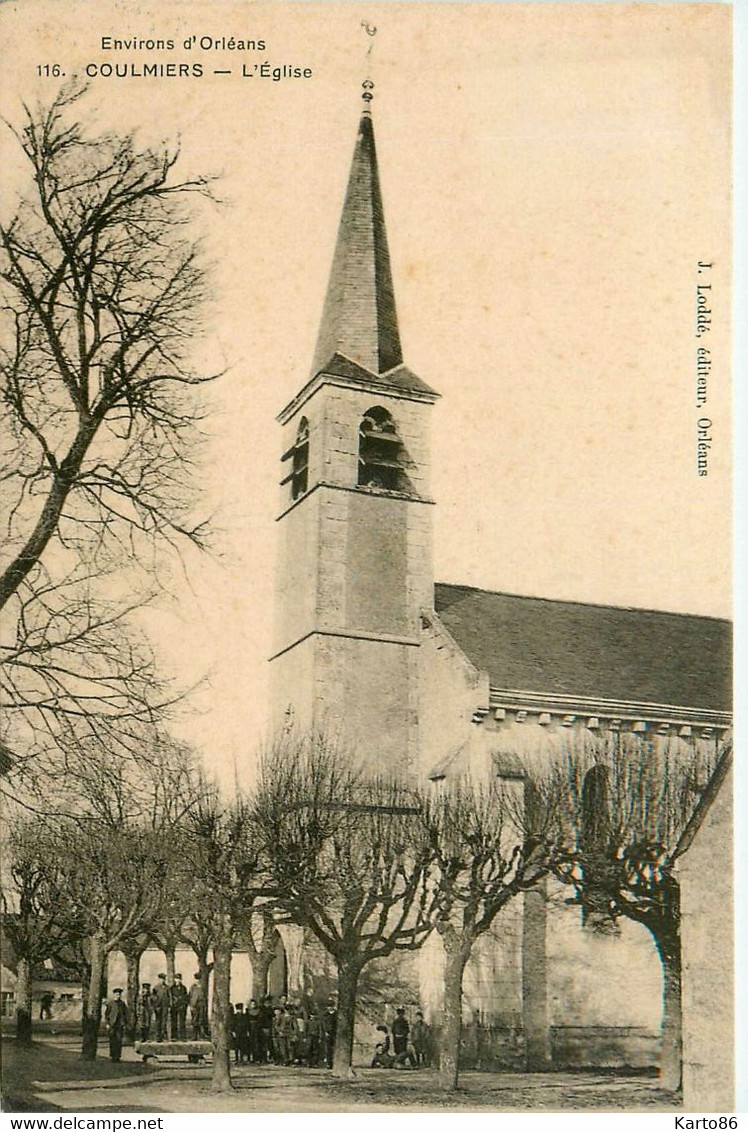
{"type": "Point", "coordinates": [381, 455]}
{"type": "Point", "coordinates": [298, 454]}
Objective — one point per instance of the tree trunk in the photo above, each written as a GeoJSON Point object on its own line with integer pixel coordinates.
{"type": "Point", "coordinates": [132, 958]}
{"type": "Point", "coordinates": [260, 967]}
{"type": "Point", "coordinates": [449, 1052]}
{"type": "Point", "coordinates": [85, 989]}
{"type": "Point", "coordinates": [49, 518]}
{"type": "Point", "coordinates": [92, 1018]}
{"type": "Point", "coordinates": [348, 975]}
{"type": "Point", "coordinates": [171, 962]}
{"type": "Point", "coordinates": [671, 1060]}
{"type": "Point", "coordinates": [204, 969]}
{"type": "Point", "coordinates": [24, 1007]}
{"type": "Point", "coordinates": [666, 932]}
{"type": "Point", "coordinates": [219, 1025]}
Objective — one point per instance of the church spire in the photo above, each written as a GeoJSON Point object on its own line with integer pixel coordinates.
{"type": "Point", "coordinates": [359, 319]}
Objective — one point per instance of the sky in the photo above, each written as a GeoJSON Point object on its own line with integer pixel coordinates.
{"type": "Point", "coordinates": [552, 177]}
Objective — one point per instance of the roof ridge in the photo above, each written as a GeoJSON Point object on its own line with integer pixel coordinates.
{"type": "Point", "coordinates": [587, 604]}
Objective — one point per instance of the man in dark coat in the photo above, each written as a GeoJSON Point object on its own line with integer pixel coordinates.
{"type": "Point", "coordinates": [178, 998]}
{"type": "Point", "coordinates": [400, 1031]}
{"type": "Point", "coordinates": [198, 1012]}
{"type": "Point", "coordinates": [239, 1032]}
{"type": "Point", "coordinates": [160, 997]}
{"type": "Point", "coordinates": [266, 1028]}
{"type": "Point", "coordinates": [421, 1037]}
{"type": "Point", "coordinates": [329, 1026]}
{"type": "Point", "coordinates": [254, 1032]}
{"type": "Point", "coordinates": [314, 1037]}
{"type": "Point", "coordinates": [116, 1023]}
{"type": "Point", "coordinates": [144, 1012]}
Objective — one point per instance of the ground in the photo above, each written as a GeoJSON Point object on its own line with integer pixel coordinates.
{"type": "Point", "coordinates": [50, 1077]}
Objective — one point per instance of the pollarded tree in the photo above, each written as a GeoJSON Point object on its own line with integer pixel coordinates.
{"type": "Point", "coordinates": [491, 841]}
{"type": "Point", "coordinates": [261, 937]}
{"type": "Point", "coordinates": [226, 881]}
{"type": "Point", "coordinates": [631, 809]}
{"type": "Point", "coordinates": [349, 858]}
{"type": "Point", "coordinates": [116, 850]}
{"type": "Point", "coordinates": [102, 288]}
{"type": "Point", "coordinates": [36, 919]}
{"type": "Point", "coordinates": [114, 882]}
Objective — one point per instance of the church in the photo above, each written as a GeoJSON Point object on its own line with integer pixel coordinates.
{"type": "Point", "coordinates": [432, 679]}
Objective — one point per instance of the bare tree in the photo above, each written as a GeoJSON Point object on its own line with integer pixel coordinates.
{"type": "Point", "coordinates": [104, 284]}
{"type": "Point", "coordinates": [72, 668]}
{"type": "Point", "coordinates": [225, 863]}
{"type": "Point", "coordinates": [261, 937]}
{"type": "Point", "coordinates": [115, 850]}
{"type": "Point", "coordinates": [133, 949]}
{"type": "Point", "coordinates": [114, 882]}
{"type": "Point", "coordinates": [630, 809]}
{"type": "Point", "coordinates": [36, 920]}
{"type": "Point", "coordinates": [491, 841]}
{"type": "Point", "coordinates": [350, 862]}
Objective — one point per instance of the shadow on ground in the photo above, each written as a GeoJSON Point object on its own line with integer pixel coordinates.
{"type": "Point", "coordinates": [49, 1076]}
{"type": "Point", "coordinates": [28, 1071]}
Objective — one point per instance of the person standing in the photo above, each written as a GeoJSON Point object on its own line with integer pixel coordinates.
{"type": "Point", "coordinates": [144, 1012]}
{"type": "Point", "coordinates": [178, 1009]}
{"type": "Point", "coordinates": [266, 1026]}
{"type": "Point", "coordinates": [116, 1023]}
{"type": "Point", "coordinates": [240, 1033]}
{"type": "Point", "coordinates": [329, 1028]}
{"type": "Point", "coordinates": [288, 1034]}
{"type": "Point", "coordinates": [197, 999]}
{"type": "Point", "coordinates": [314, 1037]}
{"type": "Point", "coordinates": [400, 1031]}
{"type": "Point", "coordinates": [45, 1006]}
{"type": "Point", "coordinates": [279, 1046]}
{"type": "Point", "coordinates": [161, 1008]}
{"type": "Point", "coordinates": [420, 1035]}
{"type": "Point", "coordinates": [254, 1032]}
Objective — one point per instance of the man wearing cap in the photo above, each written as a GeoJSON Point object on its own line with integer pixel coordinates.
{"type": "Point", "coordinates": [198, 1012]}
{"type": "Point", "coordinates": [161, 1007]}
{"type": "Point", "coordinates": [116, 1023]}
{"type": "Point", "coordinates": [178, 997]}
{"type": "Point", "coordinates": [144, 1012]}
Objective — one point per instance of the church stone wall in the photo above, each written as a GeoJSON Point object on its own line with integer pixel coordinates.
{"type": "Point", "coordinates": [365, 690]}
{"type": "Point", "coordinates": [706, 878]}
{"type": "Point", "coordinates": [450, 691]}
{"type": "Point", "coordinates": [600, 979]}
{"type": "Point", "coordinates": [376, 592]}
{"type": "Point", "coordinates": [296, 572]}
{"type": "Point", "coordinates": [292, 688]}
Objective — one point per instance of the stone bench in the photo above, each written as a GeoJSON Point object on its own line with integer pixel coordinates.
{"type": "Point", "coordinates": [193, 1051]}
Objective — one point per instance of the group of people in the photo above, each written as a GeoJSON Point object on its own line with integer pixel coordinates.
{"type": "Point", "coordinates": [283, 1032]}
{"type": "Point", "coordinates": [159, 1013]}
{"type": "Point", "coordinates": [409, 1047]}
{"type": "Point", "coordinates": [161, 1010]}
{"type": "Point", "coordinates": [266, 1032]}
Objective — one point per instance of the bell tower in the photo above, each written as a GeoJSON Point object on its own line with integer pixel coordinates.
{"type": "Point", "coordinates": [354, 529]}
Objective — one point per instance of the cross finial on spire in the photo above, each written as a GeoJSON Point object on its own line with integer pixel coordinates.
{"type": "Point", "coordinates": [367, 84]}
